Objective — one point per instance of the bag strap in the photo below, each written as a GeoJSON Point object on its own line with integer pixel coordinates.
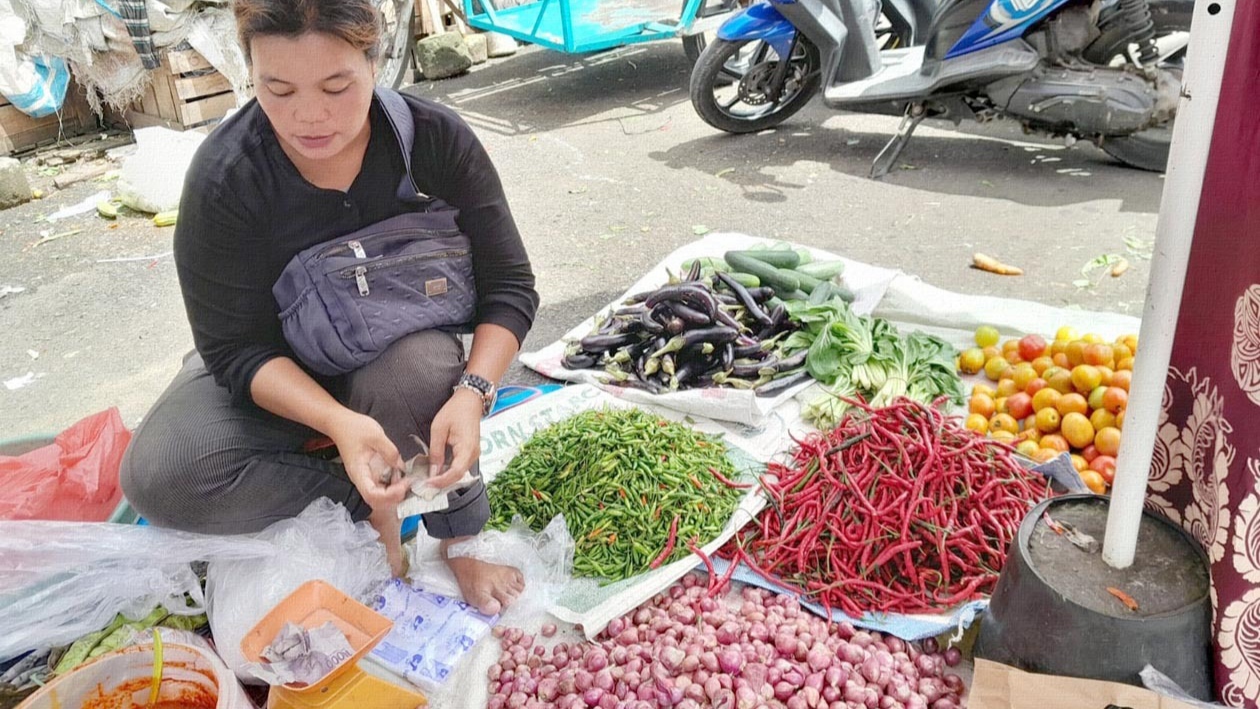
{"type": "Point", "coordinates": [403, 122]}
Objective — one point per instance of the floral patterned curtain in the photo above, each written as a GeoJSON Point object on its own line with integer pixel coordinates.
{"type": "Point", "coordinates": [1205, 474]}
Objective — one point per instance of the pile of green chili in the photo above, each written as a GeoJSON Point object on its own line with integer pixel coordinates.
{"type": "Point", "coordinates": [634, 489]}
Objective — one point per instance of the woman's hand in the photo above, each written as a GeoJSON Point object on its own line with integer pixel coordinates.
{"type": "Point", "coordinates": [367, 453]}
{"type": "Point", "coordinates": [457, 425]}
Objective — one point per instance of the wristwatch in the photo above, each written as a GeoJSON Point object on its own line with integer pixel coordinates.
{"type": "Point", "coordinates": [484, 388]}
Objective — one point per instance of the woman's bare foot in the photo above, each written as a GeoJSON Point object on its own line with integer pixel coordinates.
{"type": "Point", "coordinates": [387, 524]}
{"type": "Point", "coordinates": [488, 587]}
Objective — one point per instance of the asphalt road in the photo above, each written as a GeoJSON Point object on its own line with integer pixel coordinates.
{"type": "Point", "coordinates": [608, 169]}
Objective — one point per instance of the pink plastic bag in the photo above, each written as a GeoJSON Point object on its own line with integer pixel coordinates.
{"type": "Point", "coordinates": [74, 479]}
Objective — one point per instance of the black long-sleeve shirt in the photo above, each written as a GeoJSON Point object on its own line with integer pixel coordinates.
{"type": "Point", "coordinates": [245, 212]}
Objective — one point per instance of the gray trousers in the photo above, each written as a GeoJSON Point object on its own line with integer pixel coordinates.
{"type": "Point", "coordinates": [200, 464]}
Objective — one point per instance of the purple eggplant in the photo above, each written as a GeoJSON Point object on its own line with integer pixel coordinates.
{"type": "Point", "coordinates": [745, 298]}
{"type": "Point", "coordinates": [602, 343]}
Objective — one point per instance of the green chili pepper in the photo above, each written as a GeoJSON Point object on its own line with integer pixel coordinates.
{"type": "Point", "coordinates": [610, 472]}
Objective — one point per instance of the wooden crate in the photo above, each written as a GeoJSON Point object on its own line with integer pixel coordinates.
{"type": "Point", "coordinates": [438, 17]}
{"type": "Point", "coordinates": [19, 132]}
{"type": "Point", "coordinates": [186, 92]}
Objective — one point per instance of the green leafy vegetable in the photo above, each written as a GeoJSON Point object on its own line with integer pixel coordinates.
{"type": "Point", "coordinates": [855, 355]}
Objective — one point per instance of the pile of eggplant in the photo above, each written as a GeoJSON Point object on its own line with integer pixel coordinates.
{"type": "Point", "coordinates": [696, 332]}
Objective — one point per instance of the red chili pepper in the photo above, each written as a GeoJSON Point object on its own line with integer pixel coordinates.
{"type": "Point", "coordinates": [898, 509]}
{"type": "Point", "coordinates": [669, 544]}
{"type": "Point", "coordinates": [727, 481]}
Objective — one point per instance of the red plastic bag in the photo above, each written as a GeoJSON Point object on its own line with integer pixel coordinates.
{"type": "Point", "coordinates": [74, 479]}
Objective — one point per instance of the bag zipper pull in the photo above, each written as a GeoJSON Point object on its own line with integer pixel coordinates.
{"type": "Point", "coordinates": [357, 248]}
{"type": "Point", "coordinates": [360, 277]}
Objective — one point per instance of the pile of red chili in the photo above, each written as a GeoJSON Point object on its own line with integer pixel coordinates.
{"type": "Point", "coordinates": [899, 509]}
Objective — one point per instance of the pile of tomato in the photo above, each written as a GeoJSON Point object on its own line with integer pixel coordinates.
{"type": "Point", "coordinates": [1068, 395]}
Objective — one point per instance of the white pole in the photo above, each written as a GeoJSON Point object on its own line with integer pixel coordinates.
{"type": "Point", "coordinates": [1192, 136]}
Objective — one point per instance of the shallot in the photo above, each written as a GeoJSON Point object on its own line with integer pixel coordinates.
{"type": "Point", "coordinates": [761, 653]}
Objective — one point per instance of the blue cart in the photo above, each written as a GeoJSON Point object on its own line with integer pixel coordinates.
{"type": "Point", "coordinates": [580, 26]}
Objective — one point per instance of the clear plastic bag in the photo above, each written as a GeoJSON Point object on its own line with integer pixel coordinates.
{"type": "Point", "coordinates": [152, 179]}
{"type": "Point", "coordinates": [60, 581]}
{"type": "Point", "coordinates": [544, 558]}
{"type": "Point", "coordinates": [321, 543]}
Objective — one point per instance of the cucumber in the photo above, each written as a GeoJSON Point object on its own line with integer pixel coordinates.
{"type": "Point", "coordinates": [806, 256]}
{"type": "Point", "coordinates": [780, 280]}
{"type": "Point", "coordinates": [778, 259]}
{"type": "Point", "coordinates": [806, 281]}
{"type": "Point", "coordinates": [822, 270]}
{"type": "Point", "coordinates": [706, 262]}
{"type": "Point", "coordinates": [746, 280]}
{"type": "Point", "coordinates": [828, 290]}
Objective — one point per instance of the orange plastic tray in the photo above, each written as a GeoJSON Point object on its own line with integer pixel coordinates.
{"type": "Point", "coordinates": [310, 606]}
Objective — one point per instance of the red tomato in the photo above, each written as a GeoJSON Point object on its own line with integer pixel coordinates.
{"type": "Point", "coordinates": [1031, 347]}
{"type": "Point", "coordinates": [1090, 453]}
{"type": "Point", "coordinates": [1105, 466]}
{"type": "Point", "coordinates": [1019, 405]}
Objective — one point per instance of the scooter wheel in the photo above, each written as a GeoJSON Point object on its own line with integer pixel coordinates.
{"type": "Point", "coordinates": [732, 84]}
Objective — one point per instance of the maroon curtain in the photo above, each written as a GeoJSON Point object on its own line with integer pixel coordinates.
{"type": "Point", "coordinates": [1206, 469]}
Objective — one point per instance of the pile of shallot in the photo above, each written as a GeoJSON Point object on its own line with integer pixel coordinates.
{"type": "Point", "coordinates": [687, 651]}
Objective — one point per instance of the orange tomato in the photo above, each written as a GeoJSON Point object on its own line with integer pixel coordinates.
{"type": "Point", "coordinates": [1035, 386]}
{"type": "Point", "coordinates": [1031, 347]}
{"type": "Point", "coordinates": [1115, 399]}
{"type": "Point", "coordinates": [1079, 463]}
{"type": "Point", "coordinates": [1006, 387]}
{"type": "Point", "coordinates": [1072, 403]}
{"type": "Point", "coordinates": [1058, 347]}
{"type": "Point", "coordinates": [1085, 377]}
{"type": "Point", "coordinates": [1055, 441]}
{"type": "Point", "coordinates": [1023, 375]}
{"type": "Point", "coordinates": [1027, 448]}
{"type": "Point", "coordinates": [1131, 341]}
{"type": "Point", "coordinates": [1041, 364]}
{"type": "Point", "coordinates": [1061, 382]}
{"type": "Point", "coordinates": [1019, 405]}
{"type": "Point", "coordinates": [978, 423]}
{"type": "Point", "coordinates": [1030, 432]}
{"type": "Point", "coordinates": [1120, 351]}
{"type": "Point", "coordinates": [1045, 399]}
{"type": "Point", "coordinates": [983, 389]}
{"type": "Point", "coordinates": [1094, 482]}
{"type": "Point", "coordinates": [1010, 346]}
{"type": "Point", "coordinates": [1105, 466]}
{"type": "Point", "coordinates": [1000, 404]}
{"type": "Point", "coordinates": [1108, 441]}
{"type": "Point", "coordinates": [1091, 338]}
{"type": "Point", "coordinates": [1099, 355]}
{"type": "Point", "coordinates": [1061, 360]}
{"type": "Point", "coordinates": [993, 368]}
{"type": "Point", "coordinates": [1048, 420]}
{"type": "Point", "coordinates": [1102, 418]}
{"type": "Point", "coordinates": [1076, 352]}
{"type": "Point", "coordinates": [1123, 379]}
{"type": "Point", "coordinates": [982, 404]}
{"type": "Point", "coordinates": [1125, 365]}
{"type": "Point", "coordinates": [1120, 420]}
{"type": "Point", "coordinates": [990, 352]}
{"type": "Point", "coordinates": [1077, 430]}
{"type": "Point", "coordinates": [971, 361]}
{"type": "Point", "coordinates": [1003, 422]}
{"type": "Point", "coordinates": [1002, 436]}
{"type": "Point", "coordinates": [1107, 373]}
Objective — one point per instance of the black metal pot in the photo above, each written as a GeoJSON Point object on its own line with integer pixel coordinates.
{"type": "Point", "coordinates": [1033, 626]}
